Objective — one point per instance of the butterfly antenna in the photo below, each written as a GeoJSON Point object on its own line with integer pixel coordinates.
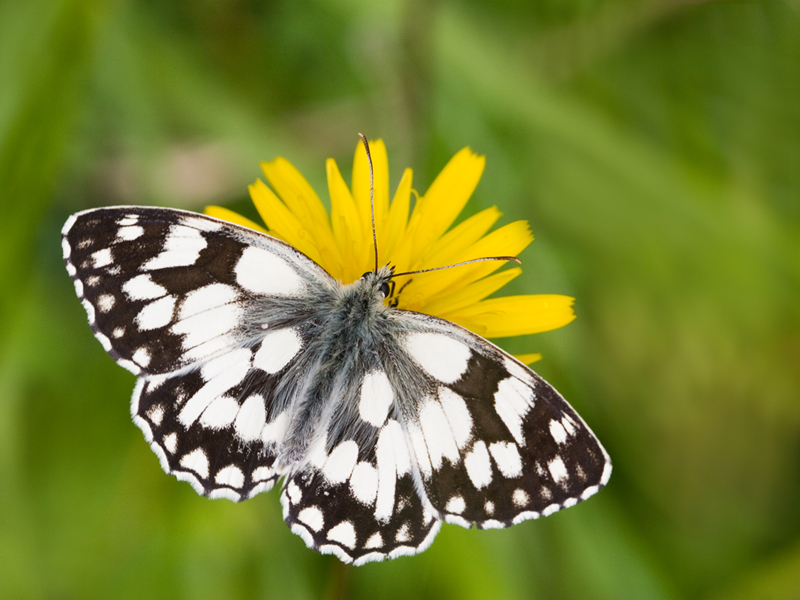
{"type": "Point", "coordinates": [466, 262]}
{"type": "Point", "coordinates": [371, 199]}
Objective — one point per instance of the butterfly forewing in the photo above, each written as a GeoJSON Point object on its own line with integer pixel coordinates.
{"type": "Point", "coordinates": [166, 288]}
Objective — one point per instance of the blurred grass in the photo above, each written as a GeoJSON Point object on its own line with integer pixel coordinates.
{"type": "Point", "coordinates": [653, 145]}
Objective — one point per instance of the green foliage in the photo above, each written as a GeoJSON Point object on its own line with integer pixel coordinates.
{"type": "Point", "coordinates": [653, 145]}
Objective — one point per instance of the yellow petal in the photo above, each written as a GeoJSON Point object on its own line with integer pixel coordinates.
{"type": "Point", "coordinates": [515, 315]}
{"type": "Point", "coordinates": [295, 192]}
{"type": "Point", "coordinates": [301, 199]}
{"type": "Point", "coordinates": [396, 220]}
{"type": "Point", "coordinates": [472, 293]}
{"type": "Point", "coordinates": [438, 208]}
{"type": "Point", "coordinates": [281, 221]}
{"type": "Point", "coordinates": [509, 240]}
{"type": "Point", "coordinates": [451, 246]}
{"type": "Point", "coordinates": [346, 222]}
{"type": "Point", "coordinates": [220, 212]}
{"type": "Point", "coordinates": [528, 359]}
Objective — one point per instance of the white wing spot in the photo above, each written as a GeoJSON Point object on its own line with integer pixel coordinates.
{"type": "Point", "coordinates": [393, 461]}
{"type": "Point", "coordinates": [142, 287]}
{"type": "Point", "coordinates": [519, 371]}
{"type": "Point", "coordinates": [221, 374]}
{"type": "Point", "coordinates": [568, 426]}
{"type": "Point", "coordinates": [262, 272]}
{"type": "Point", "coordinates": [374, 541]}
{"type": "Point", "coordinates": [131, 219]}
{"type": "Point", "coordinates": [545, 493]}
{"type": "Point", "coordinates": [478, 465]}
{"type": "Point", "coordinates": [105, 302]}
{"type": "Point", "coordinates": [403, 534]}
{"type": "Point", "coordinates": [274, 431]}
{"type": "Point", "coordinates": [262, 474]}
{"type": "Point", "coordinates": [251, 418]}
{"type": "Point", "coordinates": [438, 435]}
{"type": "Point", "coordinates": [156, 414]}
{"type": "Point", "coordinates": [277, 349]}
{"type": "Point", "coordinates": [341, 462]}
{"type": "Point", "coordinates": [294, 492]}
{"type": "Point", "coordinates": [506, 457]}
{"type": "Point", "coordinates": [520, 498]}
{"type": "Point", "coordinates": [196, 461]}
{"type": "Point", "coordinates": [344, 533]}
{"type": "Point", "coordinates": [512, 401]}
{"type": "Point", "coordinates": [170, 442]}
{"type": "Point", "coordinates": [364, 483]}
{"type": "Point", "coordinates": [220, 413]}
{"type": "Point", "coordinates": [231, 476]}
{"type": "Point", "coordinates": [182, 248]}
{"type": "Point", "coordinates": [141, 357]}
{"type": "Point", "coordinates": [102, 258]}
{"type": "Point", "coordinates": [558, 470]}
{"type": "Point", "coordinates": [420, 449]}
{"type": "Point", "coordinates": [202, 223]}
{"type": "Point", "coordinates": [206, 298]}
{"type": "Point", "coordinates": [558, 432]}
{"type": "Point", "coordinates": [92, 280]}
{"type": "Point", "coordinates": [440, 356]}
{"type": "Point", "coordinates": [129, 233]}
{"type": "Point", "coordinates": [489, 507]}
{"type": "Point", "coordinates": [205, 327]}
{"type": "Point", "coordinates": [156, 314]}
{"type": "Point", "coordinates": [118, 332]}
{"type": "Point", "coordinates": [376, 398]}
{"type": "Point", "coordinates": [457, 415]}
{"type": "Point", "coordinates": [312, 516]}
{"type": "Point", "coordinates": [455, 505]}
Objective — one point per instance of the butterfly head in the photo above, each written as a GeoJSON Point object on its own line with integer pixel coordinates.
{"type": "Point", "coordinates": [379, 283]}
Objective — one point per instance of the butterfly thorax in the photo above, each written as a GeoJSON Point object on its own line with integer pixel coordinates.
{"type": "Point", "coordinates": [345, 341]}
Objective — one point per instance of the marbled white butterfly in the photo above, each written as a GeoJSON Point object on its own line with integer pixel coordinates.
{"type": "Point", "coordinates": [253, 364]}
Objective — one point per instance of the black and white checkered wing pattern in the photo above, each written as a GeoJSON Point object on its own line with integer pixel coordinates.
{"type": "Point", "coordinates": [206, 314]}
{"type": "Point", "coordinates": [444, 426]}
{"type": "Point", "coordinates": [360, 501]}
{"type": "Point", "coordinates": [494, 443]}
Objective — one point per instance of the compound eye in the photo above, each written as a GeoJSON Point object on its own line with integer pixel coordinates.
{"type": "Point", "coordinates": [385, 290]}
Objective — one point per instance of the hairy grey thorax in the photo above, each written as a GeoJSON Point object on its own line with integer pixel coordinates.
{"type": "Point", "coordinates": [344, 342]}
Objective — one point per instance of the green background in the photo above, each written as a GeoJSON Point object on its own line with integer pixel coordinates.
{"type": "Point", "coordinates": [654, 145]}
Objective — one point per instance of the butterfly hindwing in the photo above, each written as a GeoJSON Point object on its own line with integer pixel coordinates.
{"type": "Point", "coordinates": [362, 508]}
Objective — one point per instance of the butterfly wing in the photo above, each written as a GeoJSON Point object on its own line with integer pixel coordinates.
{"type": "Point", "coordinates": [439, 424]}
{"type": "Point", "coordinates": [362, 503]}
{"type": "Point", "coordinates": [206, 313]}
{"type": "Point", "coordinates": [494, 443]}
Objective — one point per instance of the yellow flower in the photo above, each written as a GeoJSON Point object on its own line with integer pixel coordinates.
{"type": "Point", "coordinates": [342, 242]}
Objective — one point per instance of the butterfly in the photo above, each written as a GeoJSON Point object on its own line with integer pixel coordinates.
{"type": "Point", "coordinates": [254, 364]}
